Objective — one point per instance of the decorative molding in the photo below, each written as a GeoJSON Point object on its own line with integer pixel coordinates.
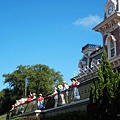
{"type": "Point", "coordinates": [118, 61]}
{"type": "Point", "coordinates": [116, 58]}
{"type": "Point", "coordinates": [109, 24]}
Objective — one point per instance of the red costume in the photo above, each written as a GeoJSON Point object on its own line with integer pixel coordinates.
{"type": "Point", "coordinates": [41, 99]}
{"type": "Point", "coordinates": [74, 84]}
{"type": "Point", "coordinates": [29, 99]}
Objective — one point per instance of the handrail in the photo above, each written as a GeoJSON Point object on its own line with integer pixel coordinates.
{"type": "Point", "coordinates": [49, 100]}
{"type": "Point", "coordinates": [48, 103]}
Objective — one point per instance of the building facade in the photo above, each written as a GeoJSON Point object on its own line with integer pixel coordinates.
{"type": "Point", "coordinates": [91, 60]}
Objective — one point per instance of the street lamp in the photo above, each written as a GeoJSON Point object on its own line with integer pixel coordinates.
{"type": "Point", "coordinates": [26, 84]}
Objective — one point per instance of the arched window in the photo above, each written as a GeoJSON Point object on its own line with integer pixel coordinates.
{"type": "Point", "coordinates": [111, 46]}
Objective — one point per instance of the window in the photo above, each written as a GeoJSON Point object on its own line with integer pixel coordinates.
{"type": "Point", "coordinates": [112, 48]}
{"type": "Point", "coordinates": [111, 45]}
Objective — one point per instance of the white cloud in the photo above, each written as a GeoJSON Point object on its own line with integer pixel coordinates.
{"type": "Point", "coordinates": [88, 21]}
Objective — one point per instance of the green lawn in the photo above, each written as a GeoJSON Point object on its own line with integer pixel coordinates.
{"type": "Point", "coordinates": [3, 117]}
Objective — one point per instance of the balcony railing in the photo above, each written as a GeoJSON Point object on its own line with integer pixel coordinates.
{"type": "Point", "coordinates": [31, 106]}
{"type": "Point", "coordinates": [49, 101]}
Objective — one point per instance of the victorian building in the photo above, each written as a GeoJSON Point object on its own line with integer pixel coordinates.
{"type": "Point", "coordinates": [92, 53]}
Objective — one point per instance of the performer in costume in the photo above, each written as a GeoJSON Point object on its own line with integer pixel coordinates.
{"type": "Point", "coordinates": [61, 99]}
{"type": "Point", "coordinates": [76, 94]}
{"type": "Point", "coordinates": [40, 102]}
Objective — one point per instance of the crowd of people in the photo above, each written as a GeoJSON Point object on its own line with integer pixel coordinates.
{"type": "Point", "coordinates": [60, 95]}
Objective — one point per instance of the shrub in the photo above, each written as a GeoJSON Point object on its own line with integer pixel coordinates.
{"type": "Point", "coordinates": [27, 118]}
{"type": "Point", "coordinates": [72, 115]}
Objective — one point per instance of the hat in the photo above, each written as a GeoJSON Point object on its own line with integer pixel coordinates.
{"type": "Point", "coordinates": [34, 93]}
{"type": "Point", "coordinates": [40, 94]}
{"type": "Point", "coordinates": [60, 86]}
{"type": "Point", "coordinates": [64, 82]}
{"type": "Point", "coordinates": [74, 79]}
{"type": "Point", "coordinates": [55, 88]}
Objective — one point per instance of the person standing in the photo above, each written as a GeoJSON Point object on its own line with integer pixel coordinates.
{"type": "Point", "coordinates": [55, 95]}
{"type": "Point", "coordinates": [61, 99]}
{"type": "Point", "coordinates": [40, 102]}
{"type": "Point", "coordinates": [65, 88]}
{"type": "Point", "coordinates": [76, 94]}
{"type": "Point", "coordinates": [34, 96]}
{"type": "Point", "coordinates": [29, 99]}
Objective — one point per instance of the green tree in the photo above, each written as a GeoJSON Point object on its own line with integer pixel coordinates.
{"type": "Point", "coordinates": [41, 79]}
{"type": "Point", "coordinates": [103, 96]}
{"type": "Point", "coordinates": [6, 100]}
{"type": "Point", "coordinates": [16, 81]}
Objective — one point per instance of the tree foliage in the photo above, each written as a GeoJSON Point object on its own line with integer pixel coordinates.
{"type": "Point", "coordinates": [104, 94]}
{"type": "Point", "coordinates": [6, 100]}
{"type": "Point", "coordinates": [41, 79]}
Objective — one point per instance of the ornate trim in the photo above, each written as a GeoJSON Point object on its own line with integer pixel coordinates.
{"type": "Point", "coordinates": [109, 27]}
{"type": "Point", "coordinates": [107, 39]}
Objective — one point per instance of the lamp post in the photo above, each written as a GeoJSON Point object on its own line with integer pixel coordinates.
{"type": "Point", "coordinates": [26, 84]}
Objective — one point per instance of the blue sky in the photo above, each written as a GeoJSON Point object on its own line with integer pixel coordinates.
{"type": "Point", "coordinates": [50, 32]}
